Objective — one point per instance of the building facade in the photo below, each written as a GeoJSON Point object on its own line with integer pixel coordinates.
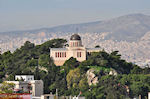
{"type": "Point", "coordinates": [24, 77]}
{"type": "Point", "coordinates": [35, 87]}
{"type": "Point", "coordinates": [75, 49]}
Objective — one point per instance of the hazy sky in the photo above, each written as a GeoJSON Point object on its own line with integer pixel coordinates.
{"type": "Point", "coordinates": [33, 14]}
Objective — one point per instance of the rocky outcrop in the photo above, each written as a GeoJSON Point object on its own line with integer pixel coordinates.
{"type": "Point", "coordinates": [92, 78]}
{"type": "Point", "coordinates": [113, 72]}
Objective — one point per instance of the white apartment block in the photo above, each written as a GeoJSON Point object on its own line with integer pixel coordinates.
{"type": "Point", "coordinates": [35, 87]}
{"type": "Point", "coordinates": [24, 77]}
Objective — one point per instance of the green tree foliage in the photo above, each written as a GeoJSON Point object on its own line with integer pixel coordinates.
{"type": "Point", "coordinates": [6, 87]}
{"type": "Point", "coordinates": [107, 88]}
{"type": "Point", "coordinates": [30, 59]}
{"type": "Point", "coordinates": [83, 84]}
{"type": "Point", "coordinates": [112, 60]}
{"type": "Point", "coordinates": [146, 70]}
{"type": "Point", "coordinates": [113, 89]}
{"type": "Point", "coordinates": [44, 60]}
{"type": "Point", "coordinates": [32, 63]}
{"type": "Point", "coordinates": [138, 88]}
{"type": "Point", "coordinates": [136, 70]}
{"type": "Point", "coordinates": [2, 72]}
{"type": "Point", "coordinates": [69, 64]}
{"type": "Point", "coordinates": [71, 78]}
{"type": "Point", "coordinates": [139, 84]}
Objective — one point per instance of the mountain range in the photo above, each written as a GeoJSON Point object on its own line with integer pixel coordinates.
{"type": "Point", "coordinates": [130, 34]}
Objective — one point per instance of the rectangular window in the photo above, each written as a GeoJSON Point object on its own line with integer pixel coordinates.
{"type": "Point", "coordinates": [65, 54]}
{"type": "Point", "coordinates": [55, 54]}
{"type": "Point", "coordinates": [78, 54]}
{"type": "Point", "coordinates": [58, 54]}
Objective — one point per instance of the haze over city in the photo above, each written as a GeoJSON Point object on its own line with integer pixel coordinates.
{"type": "Point", "coordinates": [75, 49]}
{"type": "Point", "coordinates": [34, 14]}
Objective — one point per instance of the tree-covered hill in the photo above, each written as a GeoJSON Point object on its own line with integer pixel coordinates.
{"type": "Point", "coordinates": [71, 78]}
{"type": "Point", "coordinates": [29, 59]}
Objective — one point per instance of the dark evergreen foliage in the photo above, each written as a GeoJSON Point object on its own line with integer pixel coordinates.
{"type": "Point", "coordinates": [30, 59]}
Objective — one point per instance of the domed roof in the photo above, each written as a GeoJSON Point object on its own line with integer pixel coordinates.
{"type": "Point", "coordinates": [75, 37]}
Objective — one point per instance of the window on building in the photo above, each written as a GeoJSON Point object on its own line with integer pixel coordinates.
{"type": "Point", "coordinates": [55, 54]}
{"type": "Point", "coordinates": [58, 54]}
{"type": "Point", "coordinates": [78, 54]}
{"type": "Point", "coordinates": [65, 54]}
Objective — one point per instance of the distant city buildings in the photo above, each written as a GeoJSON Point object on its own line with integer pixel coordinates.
{"type": "Point", "coordinates": [135, 52]}
{"type": "Point", "coordinates": [75, 49]}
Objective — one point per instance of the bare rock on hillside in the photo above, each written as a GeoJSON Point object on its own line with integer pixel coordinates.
{"type": "Point", "coordinates": [92, 79]}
